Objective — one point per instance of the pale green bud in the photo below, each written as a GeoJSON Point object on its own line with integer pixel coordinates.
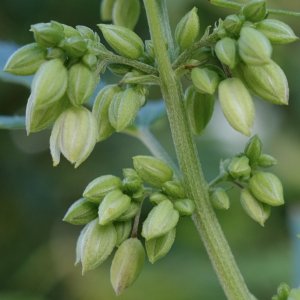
{"type": "Point", "coordinates": [256, 210]}
{"type": "Point", "coordinates": [70, 31]}
{"type": "Point", "coordinates": [255, 10]}
{"type": "Point", "coordinates": [26, 60]}
{"type": "Point", "coordinates": [268, 82]}
{"type": "Point", "coordinates": [233, 24]}
{"type": "Point", "coordinates": [132, 181]}
{"type": "Point", "coordinates": [81, 212]}
{"type": "Point", "coordinates": [106, 9]}
{"type": "Point", "coordinates": [114, 204]}
{"type": "Point", "coordinates": [187, 30]}
{"type": "Point", "coordinates": [253, 149]}
{"type": "Point", "coordinates": [161, 219]}
{"type": "Point", "coordinates": [237, 105]}
{"type": "Point", "coordinates": [199, 109]}
{"type": "Point", "coordinates": [96, 244]}
{"type": "Point", "coordinates": [75, 46]}
{"type": "Point", "coordinates": [283, 291]}
{"type": "Point", "coordinates": [277, 31]}
{"type": "Point", "coordinates": [130, 213]}
{"type": "Point", "coordinates": [266, 160]}
{"type": "Point", "coordinates": [157, 197]}
{"type": "Point", "coordinates": [267, 188]}
{"type": "Point", "coordinates": [81, 84]}
{"type": "Point", "coordinates": [139, 195]}
{"type": "Point", "coordinates": [220, 199]}
{"type": "Point", "coordinates": [152, 170]}
{"type": "Point", "coordinates": [173, 189]}
{"type": "Point", "coordinates": [205, 80]}
{"type": "Point", "coordinates": [56, 52]}
{"type": "Point", "coordinates": [74, 135]}
{"type": "Point", "coordinates": [254, 47]}
{"type": "Point", "coordinates": [100, 186]}
{"type": "Point", "coordinates": [119, 69]}
{"type": "Point", "coordinates": [90, 61]}
{"type": "Point", "coordinates": [185, 207]}
{"type": "Point", "coordinates": [86, 32]}
{"type": "Point", "coordinates": [159, 247]}
{"type": "Point", "coordinates": [127, 264]}
{"type": "Point", "coordinates": [226, 51]}
{"type": "Point", "coordinates": [79, 245]}
{"type": "Point", "coordinates": [123, 40]}
{"type": "Point", "coordinates": [123, 230]}
{"type": "Point", "coordinates": [239, 167]}
{"type": "Point", "coordinates": [294, 294]}
{"type": "Point", "coordinates": [126, 13]}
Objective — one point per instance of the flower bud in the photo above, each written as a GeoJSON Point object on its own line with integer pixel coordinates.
{"type": "Point", "coordinates": [157, 197]}
{"type": "Point", "coordinates": [220, 199]}
{"type": "Point", "coordinates": [79, 245]}
{"type": "Point", "coordinates": [126, 13]}
{"type": "Point", "coordinates": [139, 195]}
{"type": "Point", "coordinates": [239, 167]}
{"type": "Point", "coordinates": [268, 82]}
{"type": "Point", "coordinates": [53, 53]}
{"type": "Point", "coordinates": [75, 46]}
{"type": "Point", "coordinates": [185, 207]}
{"type": "Point", "coordinates": [255, 10]}
{"type": "Point", "coordinates": [90, 61]}
{"type": "Point", "coordinates": [114, 204]}
{"type": "Point", "coordinates": [187, 30]}
{"type": "Point", "coordinates": [70, 31]}
{"type": "Point", "coordinates": [159, 247]}
{"type": "Point", "coordinates": [253, 149]}
{"type": "Point", "coordinates": [127, 264]}
{"type": "Point", "coordinates": [152, 170]}
{"type": "Point", "coordinates": [233, 24]}
{"type": "Point", "coordinates": [277, 31]}
{"type": "Point", "coordinates": [254, 47]}
{"type": "Point", "coordinates": [199, 109]}
{"type": "Point", "coordinates": [132, 181]}
{"type": "Point", "coordinates": [74, 135]}
{"type": "Point", "coordinates": [283, 291]}
{"type": "Point", "coordinates": [97, 244]}
{"type": "Point", "coordinates": [267, 188]}
{"type": "Point", "coordinates": [266, 160]}
{"type": "Point", "coordinates": [294, 294]}
{"type": "Point", "coordinates": [205, 80]}
{"type": "Point", "coordinates": [26, 60]}
{"type": "Point", "coordinates": [130, 213]}
{"type": "Point", "coordinates": [161, 219]}
{"type": "Point", "coordinates": [48, 34]}
{"type": "Point", "coordinates": [123, 230]}
{"type": "Point", "coordinates": [106, 10]}
{"type": "Point", "coordinates": [256, 210]}
{"type": "Point", "coordinates": [226, 51]}
{"type": "Point", "coordinates": [81, 212]}
{"type": "Point", "coordinates": [173, 189]}
{"type": "Point", "coordinates": [119, 69]}
{"type": "Point", "coordinates": [237, 105]}
{"type": "Point", "coordinates": [123, 40]}
{"type": "Point", "coordinates": [81, 84]}
{"type": "Point", "coordinates": [86, 32]}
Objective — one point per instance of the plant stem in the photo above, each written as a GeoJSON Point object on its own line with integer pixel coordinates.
{"type": "Point", "coordinates": [196, 187]}
{"type": "Point", "coordinates": [15, 122]}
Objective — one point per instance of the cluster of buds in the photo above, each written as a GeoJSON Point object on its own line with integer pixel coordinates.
{"type": "Point", "coordinates": [260, 190]}
{"type": "Point", "coordinates": [110, 209]}
{"type": "Point", "coordinates": [284, 292]}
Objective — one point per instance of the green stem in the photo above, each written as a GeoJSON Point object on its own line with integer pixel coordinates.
{"type": "Point", "coordinates": [195, 184]}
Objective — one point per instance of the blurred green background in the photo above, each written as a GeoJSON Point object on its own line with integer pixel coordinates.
{"type": "Point", "coordinates": [37, 249]}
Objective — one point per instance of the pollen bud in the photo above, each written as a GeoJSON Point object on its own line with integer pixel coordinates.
{"type": "Point", "coordinates": [159, 247]}
{"type": "Point", "coordinates": [161, 219]}
{"type": "Point", "coordinates": [157, 197]}
{"type": "Point", "coordinates": [185, 207]}
{"type": "Point", "coordinates": [254, 47]}
{"type": "Point", "coordinates": [123, 40]}
{"type": "Point", "coordinates": [267, 188]}
{"type": "Point", "coordinates": [130, 213]}
{"type": "Point", "coordinates": [239, 167]}
{"type": "Point", "coordinates": [132, 181]}
{"type": "Point", "coordinates": [75, 46]}
{"type": "Point", "coordinates": [173, 189]}
{"type": "Point", "coordinates": [127, 264]}
{"type": "Point", "coordinates": [187, 30]}
{"type": "Point", "coordinates": [266, 161]}
{"type": "Point", "coordinates": [220, 199]}
{"type": "Point", "coordinates": [255, 10]}
{"type": "Point", "coordinates": [70, 31]}
{"type": "Point", "coordinates": [253, 149]}
{"type": "Point", "coordinates": [100, 186]}
{"type": "Point", "coordinates": [106, 10]}
{"type": "Point", "coordinates": [152, 170]}
{"type": "Point", "coordinates": [114, 204]}
{"type": "Point", "coordinates": [226, 51]}
{"type": "Point", "coordinates": [81, 212]}
{"type": "Point", "coordinates": [123, 230]}
{"type": "Point", "coordinates": [237, 105]}
{"type": "Point", "coordinates": [205, 80]}
{"type": "Point", "coordinates": [233, 24]}
{"type": "Point", "coordinates": [90, 61]}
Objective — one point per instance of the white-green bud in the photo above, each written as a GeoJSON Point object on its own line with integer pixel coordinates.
{"type": "Point", "coordinates": [185, 207]}
{"type": "Point", "coordinates": [253, 149]}
{"type": "Point", "coordinates": [233, 24]}
{"type": "Point", "coordinates": [226, 51]}
{"type": "Point", "coordinates": [90, 60]}
{"type": "Point", "coordinates": [75, 46]}
{"type": "Point", "coordinates": [130, 213]}
{"type": "Point", "coordinates": [158, 197]}
{"type": "Point", "coordinates": [255, 10]}
{"type": "Point", "coordinates": [106, 10]}
{"type": "Point", "coordinates": [220, 199]}
{"type": "Point", "coordinates": [132, 182]}
{"type": "Point", "coordinates": [266, 160]}
{"type": "Point", "coordinates": [86, 32]}
{"type": "Point", "coordinates": [70, 31]}
{"type": "Point", "coordinates": [239, 167]}
{"type": "Point", "coordinates": [123, 230]}
{"type": "Point", "coordinates": [173, 189]}
{"type": "Point", "coordinates": [205, 80]}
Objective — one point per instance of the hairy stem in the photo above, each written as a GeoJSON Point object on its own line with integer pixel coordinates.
{"type": "Point", "coordinates": [195, 184]}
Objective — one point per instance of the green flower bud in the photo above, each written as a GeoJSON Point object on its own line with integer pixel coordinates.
{"type": "Point", "coordinates": [161, 219]}
{"type": "Point", "coordinates": [86, 32]}
{"type": "Point", "coordinates": [253, 149]}
{"type": "Point", "coordinates": [266, 160]}
{"type": "Point", "coordinates": [96, 244]}
{"type": "Point", "coordinates": [127, 264]}
{"type": "Point", "coordinates": [254, 47]}
{"type": "Point", "coordinates": [126, 13]}
{"type": "Point", "coordinates": [159, 247]}
{"type": "Point", "coordinates": [119, 69]}
{"type": "Point", "coordinates": [157, 197]}
{"type": "Point", "coordinates": [173, 189]}
{"type": "Point", "coordinates": [56, 52]}
{"type": "Point", "coordinates": [256, 210]}
{"type": "Point", "coordinates": [233, 24]}
{"type": "Point", "coordinates": [81, 84]}
{"type": "Point", "coordinates": [74, 135]}
{"type": "Point", "coordinates": [267, 188]}
{"type": "Point", "coordinates": [97, 189]}
{"type": "Point", "coordinates": [205, 80]}
{"type": "Point", "coordinates": [150, 49]}
{"type": "Point", "coordinates": [255, 10]}
{"type": "Point", "coordinates": [239, 167]}
{"type": "Point", "coordinates": [187, 30]}
{"type": "Point", "coordinates": [283, 291]}
{"type": "Point", "coordinates": [90, 61]}
{"type": "Point", "coordinates": [48, 34]}
{"type": "Point", "coordinates": [268, 82]}
{"type": "Point", "coordinates": [130, 213]}
{"type": "Point", "coordinates": [75, 46]}
{"type": "Point", "coordinates": [294, 294]}
{"type": "Point", "coordinates": [106, 10]}
{"type": "Point", "coordinates": [123, 40]}
{"type": "Point", "coordinates": [199, 109]}
{"type": "Point", "coordinates": [132, 181]}
{"type": "Point", "coordinates": [81, 212]}
{"type": "Point", "coordinates": [226, 51]}
{"type": "Point", "coordinates": [220, 199]}
{"type": "Point", "coordinates": [123, 230]}
{"type": "Point", "coordinates": [185, 207]}
{"type": "Point", "coordinates": [70, 31]}
{"type": "Point", "coordinates": [26, 60]}
{"type": "Point", "coordinates": [79, 245]}
{"type": "Point", "coordinates": [139, 195]}
{"type": "Point", "coordinates": [237, 105]}
{"type": "Point", "coordinates": [152, 170]}
{"type": "Point", "coordinates": [114, 204]}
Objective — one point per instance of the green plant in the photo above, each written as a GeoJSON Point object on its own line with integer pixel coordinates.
{"type": "Point", "coordinates": [233, 57]}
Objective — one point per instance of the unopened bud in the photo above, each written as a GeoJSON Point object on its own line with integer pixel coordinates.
{"type": "Point", "coordinates": [173, 189]}
{"type": "Point", "coordinates": [239, 167]}
{"type": "Point", "coordinates": [233, 24]}
{"type": "Point", "coordinates": [158, 197]}
{"type": "Point", "coordinates": [226, 51]}
{"type": "Point", "coordinates": [132, 181]}
{"type": "Point", "coordinates": [106, 10]}
{"type": "Point", "coordinates": [75, 46]}
{"type": "Point", "coordinates": [283, 291]}
{"type": "Point", "coordinates": [70, 31]}
{"type": "Point", "coordinates": [220, 199]}
{"type": "Point", "coordinates": [205, 80]}
{"type": "Point", "coordinates": [90, 61]}
{"type": "Point", "coordinates": [130, 213]}
{"type": "Point", "coordinates": [266, 160]}
{"type": "Point", "coordinates": [255, 10]}
{"type": "Point", "coordinates": [253, 149]}
{"type": "Point", "coordinates": [123, 230]}
{"type": "Point", "coordinates": [185, 207]}
{"type": "Point", "coordinates": [56, 52]}
{"type": "Point", "coordinates": [86, 32]}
